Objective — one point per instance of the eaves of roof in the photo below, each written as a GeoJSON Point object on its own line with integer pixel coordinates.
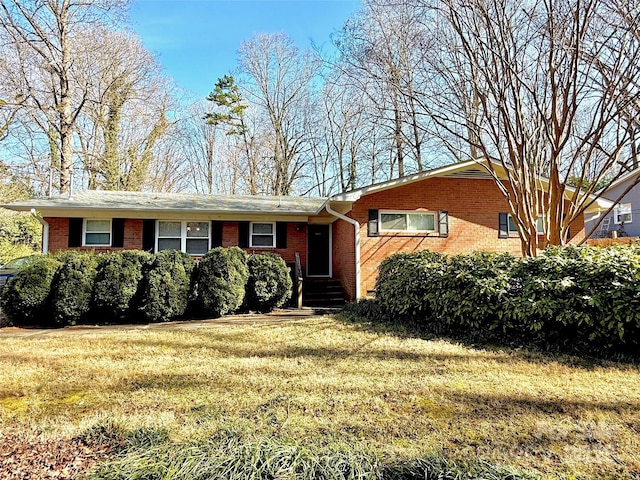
{"type": "Point", "coordinates": [172, 203]}
{"type": "Point", "coordinates": [467, 169]}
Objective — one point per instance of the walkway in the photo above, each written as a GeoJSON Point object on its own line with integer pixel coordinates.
{"type": "Point", "coordinates": [277, 316]}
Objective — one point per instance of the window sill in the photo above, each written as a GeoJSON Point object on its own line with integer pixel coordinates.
{"type": "Point", "coordinates": [408, 234]}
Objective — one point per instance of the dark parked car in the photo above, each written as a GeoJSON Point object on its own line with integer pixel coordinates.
{"type": "Point", "coordinates": [10, 268]}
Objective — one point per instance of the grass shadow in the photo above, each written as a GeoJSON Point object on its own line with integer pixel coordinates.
{"type": "Point", "coordinates": [494, 342]}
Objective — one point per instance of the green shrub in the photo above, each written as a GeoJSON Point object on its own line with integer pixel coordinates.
{"type": "Point", "coordinates": [26, 296]}
{"type": "Point", "coordinates": [587, 295]}
{"type": "Point", "coordinates": [408, 284]}
{"type": "Point", "coordinates": [269, 284]}
{"type": "Point", "coordinates": [575, 298]}
{"type": "Point", "coordinates": [20, 235]}
{"type": "Point", "coordinates": [166, 284]}
{"type": "Point", "coordinates": [9, 251]}
{"type": "Point", "coordinates": [473, 288]}
{"type": "Point", "coordinates": [72, 287]}
{"type": "Point", "coordinates": [116, 284]}
{"type": "Point", "coordinates": [221, 277]}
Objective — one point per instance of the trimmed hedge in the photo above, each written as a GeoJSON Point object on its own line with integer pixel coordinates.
{"type": "Point", "coordinates": [72, 287]}
{"type": "Point", "coordinates": [269, 284]}
{"type": "Point", "coordinates": [402, 286]}
{"type": "Point", "coordinates": [568, 297]}
{"type": "Point", "coordinates": [166, 284]}
{"type": "Point", "coordinates": [588, 295]}
{"type": "Point", "coordinates": [221, 277]}
{"type": "Point", "coordinates": [26, 296]}
{"type": "Point", "coordinates": [116, 284]}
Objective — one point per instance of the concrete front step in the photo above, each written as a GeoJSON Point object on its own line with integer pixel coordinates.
{"type": "Point", "coordinates": [322, 292]}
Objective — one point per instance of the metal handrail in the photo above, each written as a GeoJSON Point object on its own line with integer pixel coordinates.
{"type": "Point", "coordinates": [299, 279]}
{"type": "Point", "coordinates": [298, 267]}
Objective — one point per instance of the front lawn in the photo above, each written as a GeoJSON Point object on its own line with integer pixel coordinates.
{"type": "Point", "coordinates": [319, 381]}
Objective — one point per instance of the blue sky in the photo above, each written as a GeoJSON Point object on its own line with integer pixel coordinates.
{"type": "Point", "coordinates": [196, 40]}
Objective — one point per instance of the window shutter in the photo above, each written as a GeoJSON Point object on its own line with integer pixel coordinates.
{"type": "Point", "coordinates": [149, 235]}
{"type": "Point", "coordinates": [75, 232]}
{"type": "Point", "coordinates": [503, 225]}
{"type": "Point", "coordinates": [117, 232]}
{"type": "Point", "coordinates": [372, 224]}
{"type": "Point", "coordinates": [216, 233]}
{"type": "Point", "coordinates": [243, 234]}
{"type": "Point", "coordinates": [281, 234]}
{"type": "Point", "coordinates": [443, 224]}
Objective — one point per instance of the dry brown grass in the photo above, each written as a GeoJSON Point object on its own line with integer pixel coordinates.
{"type": "Point", "coordinates": [323, 379]}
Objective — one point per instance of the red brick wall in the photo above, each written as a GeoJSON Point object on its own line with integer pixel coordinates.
{"type": "Point", "coordinates": [132, 234]}
{"type": "Point", "coordinates": [473, 207]}
{"type": "Point", "coordinates": [59, 235]}
{"type": "Point", "coordinates": [344, 256]}
{"type": "Point", "coordinates": [296, 242]}
{"type": "Point", "coordinates": [296, 238]}
{"type": "Point", "coordinates": [230, 234]}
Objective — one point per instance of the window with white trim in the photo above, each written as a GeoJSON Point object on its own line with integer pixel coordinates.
{"type": "Point", "coordinates": [262, 234]}
{"type": "Point", "coordinates": [190, 237]}
{"type": "Point", "coordinates": [622, 213]}
{"type": "Point", "coordinates": [402, 221]}
{"type": "Point", "coordinates": [97, 233]}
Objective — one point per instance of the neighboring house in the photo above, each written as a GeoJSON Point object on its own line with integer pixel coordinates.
{"type": "Point", "coordinates": [624, 219]}
{"type": "Point", "coordinates": [452, 209]}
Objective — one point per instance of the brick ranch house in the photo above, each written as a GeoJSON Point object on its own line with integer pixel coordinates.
{"type": "Point", "coordinates": [452, 209]}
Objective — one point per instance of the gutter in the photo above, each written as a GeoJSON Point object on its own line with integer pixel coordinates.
{"type": "Point", "coordinates": [45, 230]}
{"type": "Point", "coordinates": [356, 228]}
{"type": "Point", "coordinates": [595, 217]}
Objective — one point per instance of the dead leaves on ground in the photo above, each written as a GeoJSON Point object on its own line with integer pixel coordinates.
{"type": "Point", "coordinates": [48, 459]}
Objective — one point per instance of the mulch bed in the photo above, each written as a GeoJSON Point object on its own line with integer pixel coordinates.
{"type": "Point", "coordinates": [48, 459]}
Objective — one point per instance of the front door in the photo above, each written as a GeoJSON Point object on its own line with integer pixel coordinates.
{"type": "Point", "coordinates": [319, 251]}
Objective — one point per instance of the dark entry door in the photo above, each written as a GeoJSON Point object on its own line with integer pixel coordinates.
{"type": "Point", "coordinates": [318, 251]}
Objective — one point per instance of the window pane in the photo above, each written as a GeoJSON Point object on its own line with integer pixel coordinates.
{"type": "Point", "coordinates": [198, 229]}
{"type": "Point", "coordinates": [98, 226]}
{"type": "Point", "coordinates": [540, 225]}
{"type": "Point", "coordinates": [97, 239]}
{"type": "Point", "coordinates": [262, 240]}
{"type": "Point", "coordinates": [168, 244]}
{"type": "Point", "coordinates": [169, 229]}
{"type": "Point", "coordinates": [623, 213]}
{"type": "Point", "coordinates": [263, 228]}
{"type": "Point", "coordinates": [393, 221]}
{"type": "Point", "coordinates": [197, 246]}
{"type": "Point", "coordinates": [512, 225]}
{"type": "Point", "coordinates": [421, 221]}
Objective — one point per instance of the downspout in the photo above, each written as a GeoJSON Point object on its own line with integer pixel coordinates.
{"type": "Point", "coordinates": [45, 230]}
{"type": "Point", "coordinates": [356, 228]}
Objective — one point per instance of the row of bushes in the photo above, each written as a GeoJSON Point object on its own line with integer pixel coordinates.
{"type": "Point", "coordinates": [80, 287]}
{"type": "Point", "coordinates": [569, 296]}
